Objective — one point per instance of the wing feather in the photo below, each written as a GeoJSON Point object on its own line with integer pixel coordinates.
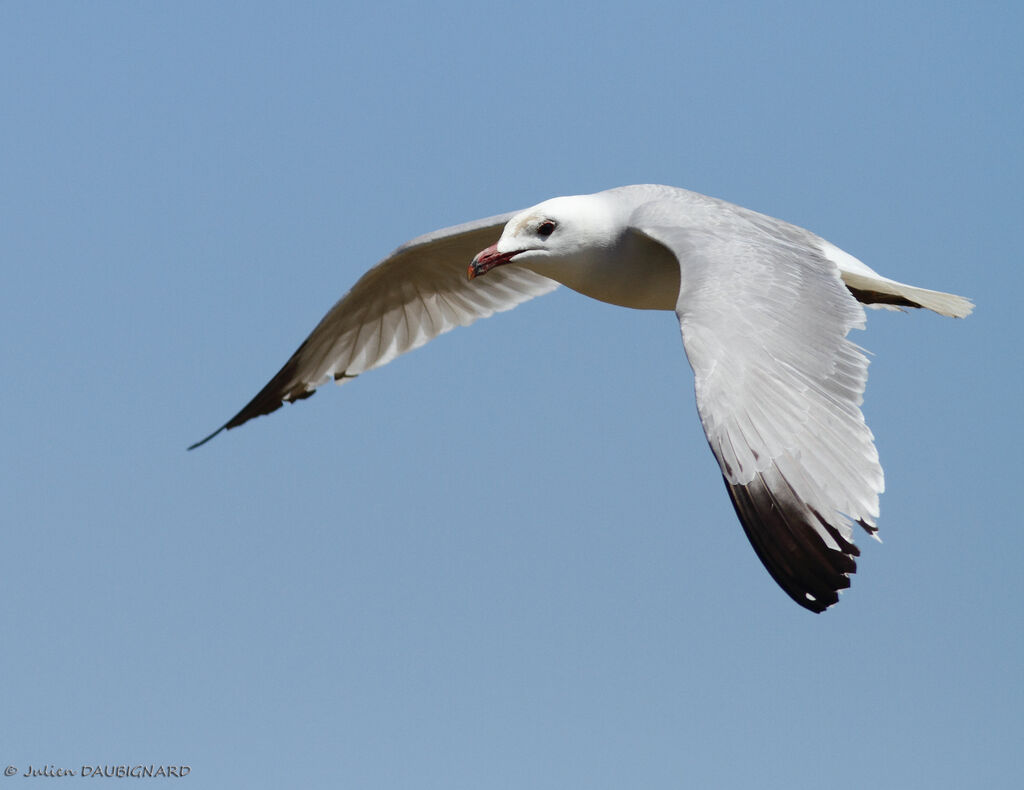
{"type": "Point", "coordinates": [418, 292]}
{"type": "Point", "coordinates": [764, 317]}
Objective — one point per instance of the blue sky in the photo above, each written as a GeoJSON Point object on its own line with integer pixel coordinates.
{"type": "Point", "coordinates": [506, 560]}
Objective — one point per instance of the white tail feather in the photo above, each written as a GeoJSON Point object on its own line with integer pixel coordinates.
{"type": "Point", "coordinates": [942, 303]}
{"type": "Point", "coordinates": [861, 277]}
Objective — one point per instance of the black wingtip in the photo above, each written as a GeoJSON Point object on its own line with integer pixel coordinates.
{"type": "Point", "coordinates": [781, 529]}
{"type": "Point", "coordinates": [201, 442]}
{"type": "Point", "coordinates": [279, 390]}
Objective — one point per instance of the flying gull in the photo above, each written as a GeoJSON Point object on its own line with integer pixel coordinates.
{"type": "Point", "coordinates": [764, 308]}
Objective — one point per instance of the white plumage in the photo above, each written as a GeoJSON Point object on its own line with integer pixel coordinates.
{"type": "Point", "coordinates": [764, 309]}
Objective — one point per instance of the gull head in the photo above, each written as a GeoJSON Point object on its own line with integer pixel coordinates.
{"type": "Point", "coordinates": [553, 236]}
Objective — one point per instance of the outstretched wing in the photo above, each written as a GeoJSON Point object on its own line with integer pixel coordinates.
{"type": "Point", "coordinates": [764, 319]}
{"type": "Point", "coordinates": [415, 294]}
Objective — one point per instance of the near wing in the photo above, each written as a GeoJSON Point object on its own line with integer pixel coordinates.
{"type": "Point", "coordinates": [764, 321]}
{"type": "Point", "coordinates": [417, 293]}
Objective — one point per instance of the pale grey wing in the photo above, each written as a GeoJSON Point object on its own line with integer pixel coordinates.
{"type": "Point", "coordinates": [415, 294]}
{"type": "Point", "coordinates": [764, 321]}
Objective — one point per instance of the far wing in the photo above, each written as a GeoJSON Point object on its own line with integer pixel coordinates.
{"type": "Point", "coordinates": [415, 294]}
{"type": "Point", "coordinates": [764, 320]}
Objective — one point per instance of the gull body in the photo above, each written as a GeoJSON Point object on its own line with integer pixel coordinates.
{"type": "Point", "coordinates": [764, 308]}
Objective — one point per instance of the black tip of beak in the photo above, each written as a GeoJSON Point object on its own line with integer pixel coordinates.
{"type": "Point", "coordinates": [486, 260]}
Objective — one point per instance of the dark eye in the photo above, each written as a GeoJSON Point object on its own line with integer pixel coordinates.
{"type": "Point", "coordinates": [546, 228]}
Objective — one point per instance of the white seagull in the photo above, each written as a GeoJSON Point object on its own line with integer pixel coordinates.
{"type": "Point", "coordinates": [764, 308]}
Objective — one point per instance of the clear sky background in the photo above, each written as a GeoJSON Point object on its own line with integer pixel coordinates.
{"type": "Point", "coordinates": [506, 560]}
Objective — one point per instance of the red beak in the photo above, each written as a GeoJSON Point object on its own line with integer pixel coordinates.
{"type": "Point", "coordinates": [486, 260]}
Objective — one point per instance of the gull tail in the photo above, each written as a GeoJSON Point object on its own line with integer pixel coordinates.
{"type": "Point", "coordinates": [874, 290]}
{"type": "Point", "coordinates": [883, 292]}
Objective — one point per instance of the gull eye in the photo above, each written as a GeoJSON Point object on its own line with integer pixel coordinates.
{"type": "Point", "coordinates": [546, 228]}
